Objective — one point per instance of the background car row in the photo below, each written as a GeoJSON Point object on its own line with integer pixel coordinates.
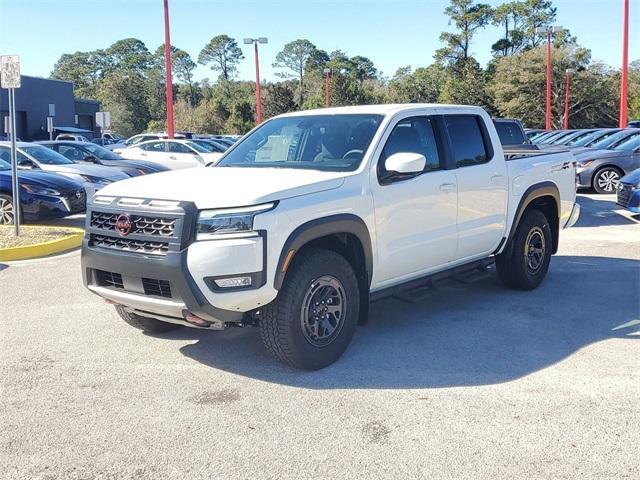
{"type": "Point", "coordinates": [603, 155]}
{"type": "Point", "coordinates": [56, 177]}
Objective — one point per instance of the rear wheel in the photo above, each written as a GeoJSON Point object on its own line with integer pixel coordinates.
{"type": "Point", "coordinates": [529, 253]}
{"type": "Point", "coordinates": [311, 322]}
{"type": "Point", "coordinates": [606, 180]}
{"type": "Point", "coordinates": [145, 323]}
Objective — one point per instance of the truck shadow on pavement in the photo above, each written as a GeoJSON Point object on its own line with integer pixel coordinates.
{"type": "Point", "coordinates": [464, 335]}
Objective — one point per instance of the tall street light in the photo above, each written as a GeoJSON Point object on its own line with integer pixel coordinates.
{"type": "Point", "coordinates": [549, 31]}
{"type": "Point", "coordinates": [255, 42]}
{"type": "Point", "coordinates": [624, 78]}
{"type": "Point", "coordinates": [167, 66]}
{"type": "Point", "coordinates": [327, 87]}
{"type": "Point", "coordinates": [567, 79]}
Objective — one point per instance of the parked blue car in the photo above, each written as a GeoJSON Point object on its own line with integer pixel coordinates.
{"type": "Point", "coordinates": [629, 191]}
{"type": "Point", "coordinates": [42, 195]}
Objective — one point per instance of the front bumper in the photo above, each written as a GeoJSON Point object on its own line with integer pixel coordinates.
{"type": "Point", "coordinates": [575, 215]}
{"type": "Point", "coordinates": [170, 277]}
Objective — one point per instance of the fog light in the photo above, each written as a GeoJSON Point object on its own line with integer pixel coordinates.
{"type": "Point", "coordinates": [234, 282]}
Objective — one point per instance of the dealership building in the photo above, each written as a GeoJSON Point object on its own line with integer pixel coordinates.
{"type": "Point", "coordinates": [33, 100]}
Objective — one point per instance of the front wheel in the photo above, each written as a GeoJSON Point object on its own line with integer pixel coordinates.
{"type": "Point", "coordinates": [7, 211]}
{"type": "Point", "coordinates": [530, 253]}
{"type": "Point", "coordinates": [605, 181]}
{"type": "Point", "coordinates": [311, 322]}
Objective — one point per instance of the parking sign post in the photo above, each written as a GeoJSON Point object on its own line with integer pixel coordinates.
{"type": "Point", "coordinates": [10, 79]}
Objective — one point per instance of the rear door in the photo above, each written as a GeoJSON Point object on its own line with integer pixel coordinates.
{"type": "Point", "coordinates": [482, 182]}
{"type": "Point", "coordinates": [181, 156]}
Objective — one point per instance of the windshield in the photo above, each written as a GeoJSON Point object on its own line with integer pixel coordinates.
{"type": "Point", "coordinates": [317, 142]}
{"type": "Point", "coordinates": [581, 140]}
{"type": "Point", "coordinates": [45, 155]}
{"type": "Point", "coordinates": [630, 144]}
{"type": "Point", "coordinates": [4, 165]}
{"type": "Point", "coordinates": [607, 142]}
{"type": "Point", "coordinates": [101, 152]}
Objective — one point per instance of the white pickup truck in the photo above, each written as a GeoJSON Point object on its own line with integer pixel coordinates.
{"type": "Point", "coordinates": [314, 214]}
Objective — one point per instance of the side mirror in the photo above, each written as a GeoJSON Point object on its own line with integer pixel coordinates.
{"type": "Point", "coordinates": [90, 158]}
{"type": "Point", "coordinates": [405, 163]}
{"type": "Point", "coordinates": [26, 165]}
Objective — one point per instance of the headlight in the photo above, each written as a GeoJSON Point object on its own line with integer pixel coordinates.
{"type": "Point", "coordinates": [40, 190]}
{"type": "Point", "coordinates": [212, 223]}
{"type": "Point", "coordinates": [584, 164]}
{"type": "Point", "coordinates": [91, 179]}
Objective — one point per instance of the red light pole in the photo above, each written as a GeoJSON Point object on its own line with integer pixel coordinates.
{"type": "Point", "coordinates": [167, 64]}
{"type": "Point", "coordinates": [567, 85]}
{"type": "Point", "coordinates": [255, 42]}
{"type": "Point", "coordinates": [624, 78]}
{"type": "Point", "coordinates": [327, 87]}
{"type": "Point", "coordinates": [549, 31]}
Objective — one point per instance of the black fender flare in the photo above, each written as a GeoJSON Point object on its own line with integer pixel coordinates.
{"type": "Point", "coordinates": [322, 227]}
{"type": "Point", "coordinates": [538, 190]}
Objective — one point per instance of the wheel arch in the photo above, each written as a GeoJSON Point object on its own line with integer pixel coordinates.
{"type": "Point", "coordinates": [346, 234]}
{"type": "Point", "coordinates": [543, 196]}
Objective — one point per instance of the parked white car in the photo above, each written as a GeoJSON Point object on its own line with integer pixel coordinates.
{"type": "Point", "coordinates": [174, 154]}
{"type": "Point", "coordinates": [314, 214]}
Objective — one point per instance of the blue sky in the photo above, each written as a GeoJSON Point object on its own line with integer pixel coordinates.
{"type": "Point", "coordinates": [393, 33]}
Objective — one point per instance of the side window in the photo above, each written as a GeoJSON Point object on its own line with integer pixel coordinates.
{"type": "Point", "coordinates": [414, 135]}
{"type": "Point", "coordinates": [153, 147]}
{"type": "Point", "coordinates": [175, 147]}
{"type": "Point", "coordinates": [467, 140]}
{"type": "Point", "coordinates": [71, 153]}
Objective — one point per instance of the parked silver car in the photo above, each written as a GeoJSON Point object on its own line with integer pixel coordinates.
{"type": "Point", "coordinates": [602, 169]}
{"type": "Point", "coordinates": [37, 157]}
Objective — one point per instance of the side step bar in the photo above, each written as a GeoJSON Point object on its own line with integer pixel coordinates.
{"type": "Point", "coordinates": [421, 288]}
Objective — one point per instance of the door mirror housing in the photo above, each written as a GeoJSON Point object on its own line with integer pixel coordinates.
{"type": "Point", "coordinates": [405, 163]}
{"type": "Point", "coordinates": [90, 158]}
{"type": "Point", "coordinates": [26, 165]}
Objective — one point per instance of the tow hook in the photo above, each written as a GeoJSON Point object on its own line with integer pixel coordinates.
{"type": "Point", "coordinates": [202, 323]}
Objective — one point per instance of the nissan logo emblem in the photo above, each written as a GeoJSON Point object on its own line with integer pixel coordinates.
{"type": "Point", "coordinates": [123, 225]}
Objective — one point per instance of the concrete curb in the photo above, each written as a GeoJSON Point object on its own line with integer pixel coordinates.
{"type": "Point", "coordinates": [68, 242]}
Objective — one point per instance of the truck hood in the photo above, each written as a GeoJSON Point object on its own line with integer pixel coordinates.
{"type": "Point", "coordinates": [224, 187]}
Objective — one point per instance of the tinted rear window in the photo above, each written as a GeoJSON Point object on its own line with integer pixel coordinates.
{"type": "Point", "coordinates": [466, 140]}
{"type": "Point", "coordinates": [510, 133]}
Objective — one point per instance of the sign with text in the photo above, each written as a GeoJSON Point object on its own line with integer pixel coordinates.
{"type": "Point", "coordinates": [9, 71]}
{"type": "Point", "coordinates": [103, 119]}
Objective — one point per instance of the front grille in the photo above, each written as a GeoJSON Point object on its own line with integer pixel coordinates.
{"type": "Point", "coordinates": [141, 224]}
{"type": "Point", "coordinates": [158, 288]}
{"type": "Point", "coordinates": [109, 279]}
{"type": "Point", "coordinates": [624, 195]}
{"type": "Point", "coordinates": [77, 201]}
{"type": "Point", "coordinates": [129, 245]}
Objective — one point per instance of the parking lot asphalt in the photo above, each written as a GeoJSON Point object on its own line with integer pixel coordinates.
{"type": "Point", "coordinates": [473, 382]}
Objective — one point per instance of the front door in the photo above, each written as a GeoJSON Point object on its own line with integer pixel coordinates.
{"type": "Point", "coordinates": [415, 218]}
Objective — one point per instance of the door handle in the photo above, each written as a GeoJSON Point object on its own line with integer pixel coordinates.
{"type": "Point", "coordinates": [447, 187]}
{"type": "Point", "coordinates": [143, 154]}
{"type": "Point", "coordinates": [496, 178]}
{"type": "Point", "coordinates": [171, 157]}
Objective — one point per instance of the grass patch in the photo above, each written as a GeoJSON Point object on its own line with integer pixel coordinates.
{"type": "Point", "coordinates": [31, 235]}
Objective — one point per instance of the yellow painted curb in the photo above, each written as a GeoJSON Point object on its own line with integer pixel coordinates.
{"type": "Point", "coordinates": [36, 250]}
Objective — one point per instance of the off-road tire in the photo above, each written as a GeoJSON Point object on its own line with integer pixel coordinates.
{"type": "Point", "coordinates": [146, 324]}
{"type": "Point", "coordinates": [282, 324]}
{"type": "Point", "coordinates": [514, 269]}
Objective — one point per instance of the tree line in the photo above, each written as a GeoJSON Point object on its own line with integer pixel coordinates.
{"type": "Point", "coordinates": [129, 79]}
